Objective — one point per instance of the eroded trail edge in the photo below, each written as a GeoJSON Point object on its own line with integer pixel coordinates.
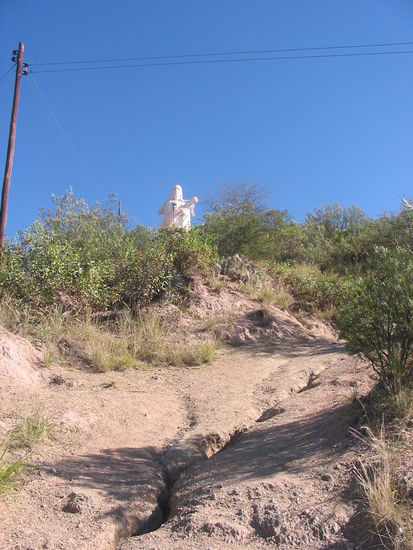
{"type": "Point", "coordinates": [187, 458]}
{"type": "Point", "coordinates": [184, 501]}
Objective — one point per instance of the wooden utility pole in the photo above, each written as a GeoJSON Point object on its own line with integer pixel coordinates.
{"type": "Point", "coordinates": [18, 57]}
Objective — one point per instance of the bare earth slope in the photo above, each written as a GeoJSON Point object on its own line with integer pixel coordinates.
{"type": "Point", "coordinates": [250, 452]}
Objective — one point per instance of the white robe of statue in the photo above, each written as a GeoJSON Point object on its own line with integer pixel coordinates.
{"type": "Point", "coordinates": [176, 210]}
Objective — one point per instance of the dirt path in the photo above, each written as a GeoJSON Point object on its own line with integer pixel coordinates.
{"type": "Point", "coordinates": [249, 451]}
{"type": "Point", "coordinates": [285, 482]}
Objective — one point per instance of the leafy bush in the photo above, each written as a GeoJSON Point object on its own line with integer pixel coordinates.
{"type": "Point", "coordinates": [376, 316]}
{"type": "Point", "coordinates": [334, 217]}
{"type": "Point", "coordinates": [239, 223]}
{"type": "Point", "coordinates": [312, 290]}
{"type": "Point", "coordinates": [164, 267]}
{"type": "Point", "coordinates": [191, 251]}
{"type": "Point", "coordinates": [144, 276]}
{"type": "Point", "coordinates": [73, 251]}
{"type": "Point", "coordinates": [87, 257]}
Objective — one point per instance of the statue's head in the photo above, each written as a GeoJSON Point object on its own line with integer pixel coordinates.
{"type": "Point", "coordinates": [176, 193]}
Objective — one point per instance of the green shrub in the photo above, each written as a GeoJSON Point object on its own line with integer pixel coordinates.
{"type": "Point", "coordinates": [239, 223]}
{"type": "Point", "coordinates": [74, 251]}
{"type": "Point", "coordinates": [312, 289]}
{"type": "Point", "coordinates": [144, 276]}
{"type": "Point", "coordinates": [163, 268]}
{"type": "Point", "coordinates": [191, 251]}
{"type": "Point", "coordinates": [86, 257]}
{"type": "Point", "coordinates": [376, 316]}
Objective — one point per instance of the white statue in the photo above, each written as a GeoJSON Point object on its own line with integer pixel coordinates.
{"type": "Point", "coordinates": [176, 210]}
{"type": "Point", "coordinates": [408, 205]}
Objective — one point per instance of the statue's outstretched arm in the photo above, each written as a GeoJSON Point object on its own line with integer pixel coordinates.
{"type": "Point", "coordinates": [162, 210]}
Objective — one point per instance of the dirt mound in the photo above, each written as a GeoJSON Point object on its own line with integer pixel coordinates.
{"type": "Point", "coordinates": [19, 360]}
{"type": "Point", "coordinates": [249, 451]}
{"type": "Point", "coordinates": [237, 318]}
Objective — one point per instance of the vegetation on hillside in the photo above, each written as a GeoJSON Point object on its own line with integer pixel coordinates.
{"type": "Point", "coordinates": [360, 270]}
{"type": "Point", "coordinates": [81, 279]}
{"type": "Point", "coordinates": [89, 257]}
{"type": "Point", "coordinates": [86, 260]}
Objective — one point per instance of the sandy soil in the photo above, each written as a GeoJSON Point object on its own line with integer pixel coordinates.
{"type": "Point", "coordinates": [253, 451]}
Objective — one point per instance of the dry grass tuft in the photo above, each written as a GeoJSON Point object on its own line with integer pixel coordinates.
{"type": "Point", "coordinates": [126, 341]}
{"type": "Point", "coordinates": [270, 293]}
{"type": "Point", "coordinates": [104, 349]}
{"type": "Point", "coordinates": [10, 469]}
{"type": "Point", "coordinates": [29, 431]}
{"type": "Point", "coordinates": [221, 326]}
{"type": "Point", "coordinates": [17, 445]}
{"type": "Point", "coordinates": [216, 283]}
{"type": "Point", "coordinates": [386, 498]}
{"type": "Point", "coordinates": [151, 339]}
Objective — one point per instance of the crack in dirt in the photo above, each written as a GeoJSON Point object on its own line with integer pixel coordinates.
{"type": "Point", "coordinates": [176, 460]}
{"type": "Point", "coordinates": [270, 413]}
{"type": "Point", "coordinates": [210, 445]}
{"type": "Point", "coordinates": [312, 382]}
{"type": "Point", "coordinates": [141, 462]}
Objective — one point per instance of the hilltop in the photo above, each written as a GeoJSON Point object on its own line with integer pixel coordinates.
{"type": "Point", "coordinates": [244, 383]}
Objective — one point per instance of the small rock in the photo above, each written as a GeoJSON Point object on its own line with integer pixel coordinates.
{"type": "Point", "coordinates": [334, 528]}
{"type": "Point", "coordinates": [327, 477]}
{"type": "Point", "coordinates": [49, 470]}
{"type": "Point", "coordinates": [57, 380]}
{"type": "Point", "coordinates": [74, 503]}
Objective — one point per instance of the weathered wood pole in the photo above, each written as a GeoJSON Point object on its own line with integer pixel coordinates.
{"type": "Point", "coordinates": [10, 148]}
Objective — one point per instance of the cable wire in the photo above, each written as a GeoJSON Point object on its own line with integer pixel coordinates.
{"type": "Point", "coordinates": [211, 61]}
{"type": "Point", "coordinates": [50, 112]}
{"type": "Point", "coordinates": [212, 54]}
{"type": "Point", "coordinates": [7, 72]}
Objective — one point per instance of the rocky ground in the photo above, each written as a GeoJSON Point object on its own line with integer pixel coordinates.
{"type": "Point", "coordinates": [253, 451]}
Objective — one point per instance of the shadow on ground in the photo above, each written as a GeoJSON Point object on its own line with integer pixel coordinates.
{"type": "Point", "coordinates": [316, 439]}
{"type": "Point", "coordinates": [120, 473]}
{"type": "Point", "coordinates": [296, 347]}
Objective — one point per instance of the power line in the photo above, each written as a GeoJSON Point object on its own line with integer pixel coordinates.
{"type": "Point", "coordinates": [212, 54]}
{"type": "Point", "coordinates": [234, 60]}
{"type": "Point", "coordinates": [50, 112]}
{"type": "Point", "coordinates": [7, 72]}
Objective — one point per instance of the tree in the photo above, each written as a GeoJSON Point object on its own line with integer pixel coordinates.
{"type": "Point", "coordinates": [240, 223]}
{"type": "Point", "coordinates": [376, 316]}
{"type": "Point", "coordinates": [239, 197]}
{"type": "Point", "coordinates": [335, 217]}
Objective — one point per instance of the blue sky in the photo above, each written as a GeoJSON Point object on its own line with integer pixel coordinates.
{"type": "Point", "coordinates": [314, 132]}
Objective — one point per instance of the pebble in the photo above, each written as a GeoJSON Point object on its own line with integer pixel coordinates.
{"type": "Point", "coordinates": [74, 503]}
{"type": "Point", "coordinates": [326, 477]}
